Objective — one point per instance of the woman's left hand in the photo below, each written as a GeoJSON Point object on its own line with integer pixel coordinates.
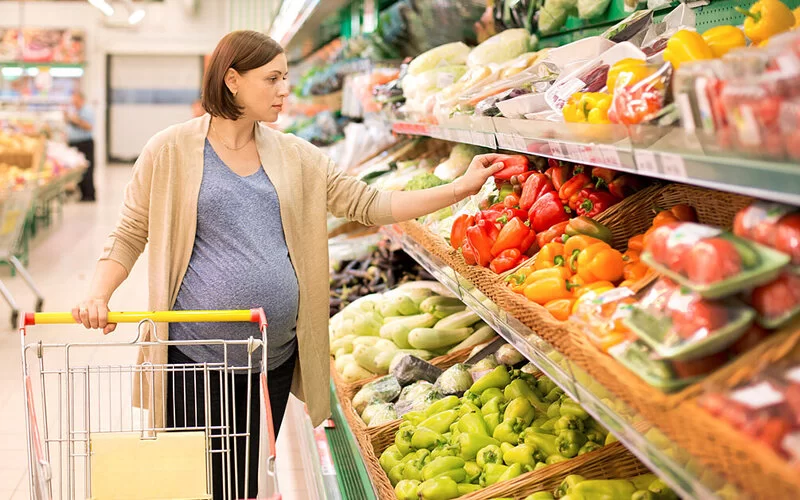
{"type": "Point", "coordinates": [480, 169]}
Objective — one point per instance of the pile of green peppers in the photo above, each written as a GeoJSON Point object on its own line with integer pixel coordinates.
{"type": "Point", "coordinates": [508, 423]}
{"type": "Point", "coordinates": [575, 487]}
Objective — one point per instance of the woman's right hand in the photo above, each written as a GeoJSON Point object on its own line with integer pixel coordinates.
{"type": "Point", "coordinates": [93, 314]}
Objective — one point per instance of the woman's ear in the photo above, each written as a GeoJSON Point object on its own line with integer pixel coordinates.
{"type": "Point", "coordinates": [232, 81]}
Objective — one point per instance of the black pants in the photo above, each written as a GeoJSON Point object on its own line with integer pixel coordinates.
{"type": "Point", "coordinates": [87, 183]}
{"type": "Point", "coordinates": [189, 411]}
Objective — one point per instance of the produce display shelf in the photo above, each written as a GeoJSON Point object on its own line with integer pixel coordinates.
{"type": "Point", "coordinates": [641, 437]}
{"type": "Point", "coordinates": [352, 478]}
{"type": "Point", "coordinates": [658, 152]}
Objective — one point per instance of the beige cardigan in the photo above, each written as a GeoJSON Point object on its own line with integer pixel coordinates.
{"type": "Point", "coordinates": [160, 206]}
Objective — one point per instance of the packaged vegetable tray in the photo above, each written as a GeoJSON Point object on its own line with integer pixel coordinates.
{"type": "Point", "coordinates": [681, 325]}
{"type": "Point", "coordinates": [777, 302]}
{"type": "Point", "coordinates": [601, 317]}
{"type": "Point", "coordinates": [773, 225]}
{"type": "Point", "coordinates": [709, 261]}
{"type": "Point", "coordinates": [639, 358]}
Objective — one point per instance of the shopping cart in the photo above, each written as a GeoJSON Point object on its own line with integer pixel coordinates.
{"type": "Point", "coordinates": [15, 205]}
{"type": "Point", "coordinates": [89, 438]}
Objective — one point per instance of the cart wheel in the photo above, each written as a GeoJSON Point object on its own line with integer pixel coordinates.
{"type": "Point", "coordinates": [39, 305]}
{"type": "Point", "coordinates": [14, 319]}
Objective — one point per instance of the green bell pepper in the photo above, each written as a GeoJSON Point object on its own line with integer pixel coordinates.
{"type": "Point", "coordinates": [423, 455]}
{"type": "Point", "coordinates": [567, 423]}
{"type": "Point", "coordinates": [491, 393]}
{"type": "Point", "coordinates": [491, 474]}
{"type": "Point", "coordinates": [595, 436]}
{"type": "Point", "coordinates": [454, 435]}
{"type": "Point", "coordinates": [444, 404]}
{"type": "Point", "coordinates": [396, 474]}
{"type": "Point", "coordinates": [411, 456]}
{"type": "Point", "coordinates": [550, 426]}
{"type": "Point", "coordinates": [520, 454]}
{"type": "Point", "coordinates": [539, 421]}
{"type": "Point", "coordinates": [441, 422]}
{"type": "Point", "coordinates": [390, 457]}
{"type": "Point", "coordinates": [438, 488]}
{"type": "Point", "coordinates": [545, 385]}
{"type": "Point", "coordinates": [403, 439]}
{"type": "Point", "coordinates": [489, 455]}
{"type": "Point", "coordinates": [466, 489]}
{"type": "Point", "coordinates": [663, 491]}
{"type": "Point", "coordinates": [569, 443]}
{"type": "Point", "coordinates": [413, 469]}
{"type": "Point", "coordinates": [509, 430]}
{"type": "Point", "coordinates": [520, 407]}
{"type": "Point", "coordinates": [492, 421]}
{"type": "Point", "coordinates": [554, 395]}
{"type": "Point", "coordinates": [473, 423]}
{"type": "Point", "coordinates": [541, 465]}
{"type": "Point", "coordinates": [470, 444]}
{"type": "Point", "coordinates": [466, 408]}
{"type": "Point", "coordinates": [471, 397]}
{"type": "Point", "coordinates": [611, 489]}
{"type": "Point", "coordinates": [610, 438]}
{"type": "Point", "coordinates": [589, 447]}
{"type": "Point", "coordinates": [567, 484]}
{"type": "Point", "coordinates": [519, 388]}
{"type": "Point", "coordinates": [473, 471]}
{"type": "Point", "coordinates": [407, 489]}
{"type": "Point", "coordinates": [514, 470]}
{"type": "Point", "coordinates": [414, 417]}
{"type": "Point", "coordinates": [440, 465]}
{"type": "Point", "coordinates": [544, 443]}
{"type": "Point", "coordinates": [457, 475]}
{"type": "Point", "coordinates": [424, 438]}
{"type": "Point", "coordinates": [554, 410]}
{"type": "Point", "coordinates": [495, 405]}
{"type": "Point", "coordinates": [444, 450]}
{"type": "Point", "coordinates": [554, 459]}
{"type": "Point", "coordinates": [542, 495]}
{"type": "Point", "coordinates": [644, 495]}
{"type": "Point", "coordinates": [572, 408]}
{"type": "Point", "coordinates": [644, 481]}
{"type": "Point", "coordinates": [498, 378]}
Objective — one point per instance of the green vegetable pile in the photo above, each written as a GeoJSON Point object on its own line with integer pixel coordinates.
{"type": "Point", "coordinates": [507, 423]}
{"type": "Point", "coordinates": [411, 319]}
{"type": "Point", "coordinates": [575, 487]}
{"type": "Point", "coordinates": [424, 181]}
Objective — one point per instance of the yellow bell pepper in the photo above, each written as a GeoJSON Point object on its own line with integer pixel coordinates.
{"type": "Point", "coordinates": [685, 46]}
{"type": "Point", "coordinates": [547, 289]}
{"type": "Point", "coordinates": [796, 13]}
{"type": "Point", "coordinates": [550, 255]}
{"type": "Point", "coordinates": [587, 107]}
{"type": "Point", "coordinates": [723, 39]}
{"type": "Point", "coordinates": [765, 19]}
{"type": "Point", "coordinates": [627, 72]}
{"type": "Point", "coordinates": [551, 272]}
{"type": "Point", "coordinates": [599, 262]}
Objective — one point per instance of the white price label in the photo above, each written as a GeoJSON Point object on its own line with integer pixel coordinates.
{"type": "Point", "coordinates": [520, 144]}
{"type": "Point", "coordinates": [758, 396]}
{"type": "Point", "coordinates": [673, 165]}
{"type": "Point", "coordinates": [555, 148]}
{"type": "Point", "coordinates": [574, 152]}
{"type": "Point", "coordinates": [593, 154]}
{"type": "Point", "coordinates": [507, 141]}
{"type": "Point", "coordinates": [646, 162]}
{"type": "Point", "coordinates": [451, 135]}
{"type": "Point", "coordinates": [609, 155]}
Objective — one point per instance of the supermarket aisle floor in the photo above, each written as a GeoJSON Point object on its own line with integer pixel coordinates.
{"type": "Point", "coordinates": [61, 262]}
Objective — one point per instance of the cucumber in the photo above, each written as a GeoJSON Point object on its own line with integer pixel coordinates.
{"type": "Point", "coordinates": [432, 339]}
{"type": "Point", "coordinates": [480, 336]}
{"type": "Point", "coordinates": [428, 305]}
{"type": "Point", "coordinates": [457, 320]}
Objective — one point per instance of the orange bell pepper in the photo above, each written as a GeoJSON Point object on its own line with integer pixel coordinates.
{"type": "Point", "coordinates": [599, 262]}
{"type": "Point", "coordinates": [547, 289]}
{"type": "Point", "coordinates": [626, 283]}
{"type": "Point", "coordinates": [635, 271]}
{"type": "Point", "coordinates": [560, 308]}
{"type": "Point", "coordinates": [516, 281]}
{"type": "Point", "coordinates": [631, 257]}
{"type": "Point", "coordinates": [574, 245]}
{"type": "Point", "coordinates": [636, 243]}
{"type": "Point", "coordinates": [550, 255]}
{"type": "Point", "coordinates": [550, 272]}
{"type": "Point", "coordinates": [598, 287]}
{"type": "Point", "coordinates": [665, 217]}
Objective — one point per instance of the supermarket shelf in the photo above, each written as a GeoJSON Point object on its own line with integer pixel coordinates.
{"type": "Point", "coordinates": [658, 152]}
{"type": "Point", "coordinates": [644, 440]}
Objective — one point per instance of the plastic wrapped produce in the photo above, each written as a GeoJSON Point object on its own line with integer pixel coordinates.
{"type": "Point", "coordinates": [454, 381]}
{"type": "Point", "coordinates": [776, 302]}
{"type": "Point", "coordinates": [410, 368]}
{"type": "Point", "coordinates": [601, 317]}
{"type": "Point", "coordinates": [411, 392]}
{"type": "Point", "coordinates": [383, 390]}
{"type": "Point", "coordinates": [502, 47]}
{"type": "Point", "coordinates": [508, 355]}
{"type": "Point", "coordinates": [378, 413]}
{"type": "Point", "coordinates": [588, 9]}
{"type": "Point", "coordinates": [448, 54]}
{"type": "Point", "coordinates": [486, 364]}
{"type": "Point", "coordinates": [771, 224]}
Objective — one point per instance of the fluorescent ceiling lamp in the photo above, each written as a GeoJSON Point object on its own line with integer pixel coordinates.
{"type": "Point", "coordinates": [66, 72]}
{"type": "Point", "coordinates": [136, 16]}
{"type": "Point", "coordinates": [103, 6]}
{"type": "Point", "coordinates": [12, 71]}
{"type": "Point", "coordinates": [32, 71]}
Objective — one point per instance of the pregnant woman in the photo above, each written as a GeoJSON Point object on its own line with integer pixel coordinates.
{"type": "Point", "coordinates": [235, 216]}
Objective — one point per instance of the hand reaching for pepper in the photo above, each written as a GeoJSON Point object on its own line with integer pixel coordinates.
{"type": "Point", "coordinates": [480, 169]}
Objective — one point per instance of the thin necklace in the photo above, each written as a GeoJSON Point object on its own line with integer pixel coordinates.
{"type": "Point", "coordinates": [219, 136]}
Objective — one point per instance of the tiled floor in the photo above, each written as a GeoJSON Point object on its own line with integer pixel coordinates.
{"type": "Point", "coordinates": [61, 262]}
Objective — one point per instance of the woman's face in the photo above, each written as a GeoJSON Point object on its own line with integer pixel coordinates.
{"type": "Point", "coordinates": [261, 91]}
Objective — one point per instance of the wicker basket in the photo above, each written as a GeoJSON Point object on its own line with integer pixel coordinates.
{"type": "Point", "coordinates": [27, 159]}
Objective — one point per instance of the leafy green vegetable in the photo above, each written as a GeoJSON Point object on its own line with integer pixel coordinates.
{"type": "Point", "coordinates": [424, 181]}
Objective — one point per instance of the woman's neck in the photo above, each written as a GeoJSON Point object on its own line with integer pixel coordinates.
{"type": "Point", "coordinates": [233, 132]}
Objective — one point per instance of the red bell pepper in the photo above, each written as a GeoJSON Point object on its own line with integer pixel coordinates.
{"type": "Point", "coordinates": [481, 245]}
{"type": "Point", "coordinates": [512, 165]}
{"type": "Point", "coordinates": [625, 185]}
{"type": "Point", "coordinates": [536, 185]}
{"type": "Point", "coordinates": [510, 213]}
{"type": "Point", "coordinates": [559, 173]}
{"type": "Point", "coordinates": [528, 246]}
{"type": "Point", "coordinates": [507, 260]}
{"type": "Point", "coordinates": [490, 228]}
{"type": "Point", "coordinates": [511, 236]}
{"type": "Point", "coordinates": [459, 230]}
{"type": "Point", "coordinates": [592, 202]}
{"type": "Point", "coordinates": [469, 253]}
{"type": "Point", "coordinates": [511, 201]}
{"type": "Point", "coordinates": [574, 186]}
{"type": "Point", "coordinates": [547, 212]}
{"type": "Point", "coordinates": [553, 234]}
{"type": "Point", "coordinates": [604, 176]}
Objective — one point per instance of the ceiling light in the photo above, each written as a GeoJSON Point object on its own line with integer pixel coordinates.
{"type": "Point", "coordinates": [103, 6]}
{"type": "Point", "coordinates": [12, 71]}
{"type": "Point", "coordinates": [66, 72]}
{"type": "Point", "coordinates": [136, 16]}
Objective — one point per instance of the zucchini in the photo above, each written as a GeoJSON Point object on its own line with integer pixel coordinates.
{"type": "Point", "coordinates": [430, 304]}
{"type": "Point", "coordinates": [432, 339]}
{"type": "Point", "coordinates": [479, 336]}
{"type": "Point", "coordinates": [457, 320]}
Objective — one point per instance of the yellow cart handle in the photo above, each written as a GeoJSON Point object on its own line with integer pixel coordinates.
{"type": "Point", "coordinates": [245, 315]}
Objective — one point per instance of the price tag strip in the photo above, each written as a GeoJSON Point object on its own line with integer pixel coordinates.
{"type": "Point", "coordinates": [646, 162]}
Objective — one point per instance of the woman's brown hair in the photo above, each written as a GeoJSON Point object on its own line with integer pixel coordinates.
{"type": "Point", "coordinates": [241, 50]}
